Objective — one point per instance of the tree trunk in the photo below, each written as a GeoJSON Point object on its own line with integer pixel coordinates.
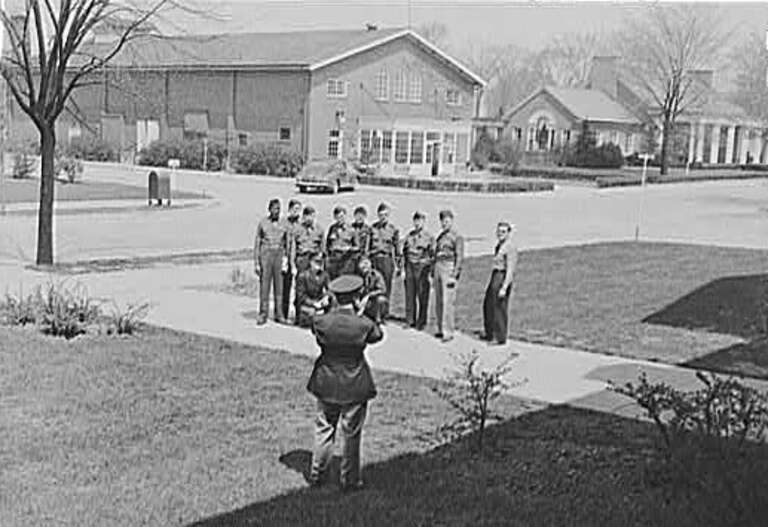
{"type": "Point", "coordinates": [45, 212]}
{"type": "Point", "coordinates": [666, 136]}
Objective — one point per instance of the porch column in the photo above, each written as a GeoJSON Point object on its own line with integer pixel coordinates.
{"type": "Point", "coordinates": [700, 143]}
{"type": "Point", "coordinates": [743, 144]}
{"type": "Point", "coordinates": [729, 144]}
{"type": "Point", "coordinates": [691, 141]}
{"type": "Point", "coordinates": [764, 151]}
{"type": "Point", "coordinates": [714, 146]}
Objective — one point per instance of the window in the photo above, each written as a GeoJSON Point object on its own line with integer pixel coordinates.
{"type": "Point", "coordinates": [376, 147]}
{"type": "Point", "coordinates": [399, 89]}
{"type": "Point", "coordinates": [453, 97]}
{"type": "Point", "coordinates": [365, 146]}
{"type": "Point", "coordinates": [519, 132]}
{"type": "Point", "coordinates": [566, 137]}
{"type": "Point", "coordinates": [615, 137]}
{"type": "Point", "coordinates": [382, 85]}
{"type": "Point", "coordinates": [386, 147]}
{"type": "Point", "coordinates": [417, 147]}
{"type": "Point", "coordinates": [462, 144]}
{"type": "Point", "coordinates": [242, 139]}
{"type": "Point", "coordinates": [449, 140]}
{"type": "Point", "coordinates": [628, 143]}
{"type": "Point", "coordinates": [401, 147]}
{"type": "Point", "coordinates": [285, 133]}
{"type": "Point", "coordinates": [337, 88]}
{"type": "Point", "coordinates": [414, 87]}
{"type": "Point", "coordinates": [334, 144]}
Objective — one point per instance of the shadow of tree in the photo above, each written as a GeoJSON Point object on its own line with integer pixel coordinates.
{"type": "Point", "coordinates": [558, 466]}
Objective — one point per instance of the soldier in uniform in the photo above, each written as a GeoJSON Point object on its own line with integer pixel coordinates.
{"type": "Point", "coordinates": [418, 256]}
{"type": "Point", "coordinates": [340, 244]}
{"type": "Point", "coordinates": [270, 247]}
{"type": "Point", "coordinates": [385, 248]}
{"type": "Point", "coordinates": [449, 255]}
{"type": "Point", "coordinates": [289, 272]}
{"type": "Point", "coordinates": [342, 381]}
{"type": "Point", "coordinates": [362, 233]}
{"type": "Point", "coordinates": [374, 303]}
{"type": "Point", "coordinates": [312, 295]}
{"type": "Point", "coordinates": [309, 239]}
{"type": "Point", "coordinates": [496, 303]}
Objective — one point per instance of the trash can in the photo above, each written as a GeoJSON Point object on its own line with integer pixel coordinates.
{"type": "Point", "coordinates": [159, 188]}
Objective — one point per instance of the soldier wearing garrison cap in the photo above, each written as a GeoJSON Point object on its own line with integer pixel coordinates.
{"type": "Point", "coordinates": [309, 239]}
{"type": "Point", "coordinates": [342, 381]}
{"type": "Point", "coordinates": [385, 248]}
{"type": "Point", "coordinates": [418, 258]}
{"type": "Point", "coordinates": [293, 223]}
{"type": "Point", "coordinates": [341, 244]}
{"type": "Point", "coordinates": [270, 248]}
{"type": "Point", "coordinates": [449, 257]}
{"type": "Point", "coordinates": [362, 232]}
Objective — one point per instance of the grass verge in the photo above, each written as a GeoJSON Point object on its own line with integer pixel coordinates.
{"type": "Point", "coordinates": [28, 191]}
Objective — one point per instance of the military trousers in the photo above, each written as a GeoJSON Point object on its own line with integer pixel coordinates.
{"type": "Point", "coordinates": [386, 266]}
{"type": "Point", "coordinates": [327, 418]}
{"type": "Point", "coordinates": [271, 262]}
{"type": "Point", "coordinates": [287, 286]}
{"type": "Point", "coordinates": [445, 297]}
{"type": "Point", "coordinates": [416, 294]}
{"type": "Point", "coordinates": [495, 309]}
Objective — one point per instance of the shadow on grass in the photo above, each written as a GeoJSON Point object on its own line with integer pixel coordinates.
{"type": "Point", "coordinates": [733, 305]}
{"type": "Point", "coordinates": [558, 466]}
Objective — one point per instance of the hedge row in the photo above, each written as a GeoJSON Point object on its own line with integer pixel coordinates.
{"type": "Point", "coordinates": [267, 159]}
{"type": "Point", "coordinates": [627, 181]}
{"type": "Point", "coordinates": [458, 185]}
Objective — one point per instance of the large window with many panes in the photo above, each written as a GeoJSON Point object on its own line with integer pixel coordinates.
{"type": "Point", "coordinates": [382, 85]}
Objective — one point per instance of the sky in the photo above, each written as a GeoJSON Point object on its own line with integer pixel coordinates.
{"type": "Point", "coordinates": [529, 24]}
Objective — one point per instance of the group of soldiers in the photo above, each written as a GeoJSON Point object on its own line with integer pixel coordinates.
{"type": "Point", "coordinates": [295, 251]}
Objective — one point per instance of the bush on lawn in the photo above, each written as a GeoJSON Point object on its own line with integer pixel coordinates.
{"type": "Point", "coordinates": [586, 154]}
{"type": "Point", "coordinates": [67, 312]}
{"type": "Point", "coordinates": [69, 167]}
{"type": "Point", "coordinates": [190, 154]}
{"type": "Point", "coordinates": [267, 159]}
{"type": "Point", "coordinates": [470, 390]}
{"type": "Point", "coordinates": [91, 148]}
{"type": "Point", "coordinates": [127, 320]}
{"type": "Point", "coordinates": [20, 310]}
{"type": "Point", "coordinates": [23, 166]}
{"type": "Point", "coordinates": [501, 155]}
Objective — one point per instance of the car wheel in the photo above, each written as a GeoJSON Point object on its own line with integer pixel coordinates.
{"type": "Point", "coordinates": [302, 188]}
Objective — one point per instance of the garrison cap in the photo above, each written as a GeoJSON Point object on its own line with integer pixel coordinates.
{"type": "Point", "coordinates": [346, 284]}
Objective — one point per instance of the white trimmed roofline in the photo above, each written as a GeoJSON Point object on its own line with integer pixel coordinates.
{"type": "Point", "coordinates": [406, 32]}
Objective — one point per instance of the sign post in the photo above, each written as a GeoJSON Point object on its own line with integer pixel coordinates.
{"type": "Point", "coordinates": [645, 158]}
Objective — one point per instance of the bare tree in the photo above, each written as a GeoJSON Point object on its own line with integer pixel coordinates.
{"type": "Point", "coordinates": [749, 64]}
{"type": "Point", "coordinates": [661, 46]}
{"type": "Point", "coordinates": [566, 62]}
{"type": "Point", "coordinates": [50, 56]}
{"type": "Point", "coordinates": [435, 32]}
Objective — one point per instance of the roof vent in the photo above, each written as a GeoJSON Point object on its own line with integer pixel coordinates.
{"type": "Point", "coordinates": [371, 27]}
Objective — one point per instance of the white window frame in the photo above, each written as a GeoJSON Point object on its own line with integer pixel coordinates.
{"type": "Point", "coordinates": [399, 91]}
{"type": "Point", "coordinates": [336, 88]}
{"type": "Point", "coordinates": [453, 101]}
{"type": "Point", "coordinates": [280, 133]}
{"type": "Point", "coordinates": [382, 85]}
{"type": "Point", "coordinates": [336, 139]}
{"type": "Point", "coordinates": [415, 87]}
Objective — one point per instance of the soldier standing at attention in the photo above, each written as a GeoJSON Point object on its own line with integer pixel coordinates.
{"type": "Point", "coordinates": [449, 254]}
{"type": "Point", "coordinates": [308, 240]}
{"type": "Point", "coordinates": [418, 256]}
{"type": "Point", "coordinates": [363, 233]}
{"type": "Point", "coordinates": [269, 249]}
{"type": "Point", "coordinates": [340, 244]}
{"type": "Point", "coordinates": [342, 382]}
{"type": "Point", "coordinates": [289, 271]}
{"type": "Point", "coordinates": [496, 303]}
{"type": "Point", "coordinates": [385, 248]}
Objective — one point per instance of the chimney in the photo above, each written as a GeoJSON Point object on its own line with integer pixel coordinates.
{"type": "Point", "coordinates": [603, 75]}
{"type": "Point", "coordinates": [703, 78]}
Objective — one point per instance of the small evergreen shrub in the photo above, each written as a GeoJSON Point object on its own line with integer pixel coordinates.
{"type": "Point", "coordinates": [190, 154]}
{"type": "Point", "coordinates": [268, 160]}
{"type": "Point", "coordinates": [91, 148]}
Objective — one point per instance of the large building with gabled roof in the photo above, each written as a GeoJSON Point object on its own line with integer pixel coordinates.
{"type": "Point", "coordinates": [386, 95]}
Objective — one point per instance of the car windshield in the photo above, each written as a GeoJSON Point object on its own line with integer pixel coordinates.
{"type": "Point", "coordinates": [318, 167]}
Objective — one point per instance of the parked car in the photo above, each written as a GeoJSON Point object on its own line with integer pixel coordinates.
{"type": "Point", "coordinates": [327, 174]}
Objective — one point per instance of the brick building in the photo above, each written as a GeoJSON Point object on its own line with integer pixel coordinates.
{"type": "Point", "coordinates": [388, 96]}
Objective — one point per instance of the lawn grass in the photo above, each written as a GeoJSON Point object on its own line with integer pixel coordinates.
{"type": "Point", "coordinates": [170, 429]}
{"type": "Point", "coordinates": [595, 297]}
{"type": "Point", "coordinates": [28, 191]}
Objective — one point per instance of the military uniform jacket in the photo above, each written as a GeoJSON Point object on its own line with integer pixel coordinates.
{"type": "Point", "coordinates": [419, 248]}
{"type": "Point", "coordinates": [341, 239]}
{"type": "Point", "coordinates": [341, 374]}
{"type": "Point", "coordinates": [373, 281]}
{"type": "Point", "coordinates": [311, 287]}
{"type": "Point", "coordinates": [308, 239]}
{"type": "Point", "coordinates": [385, 240]}
{"type": "Point", "coordinates": [363, 233]}
{"type": "Point", "coordinates": [271, 235]}
{"type": "Point", "coordinates": [449, 247]}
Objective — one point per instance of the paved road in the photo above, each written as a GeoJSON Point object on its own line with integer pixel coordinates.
{"type": "Point", "coordinates": [722, 213]}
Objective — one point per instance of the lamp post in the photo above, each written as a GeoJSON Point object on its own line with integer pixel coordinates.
{"type": "Point", "coordinates": [645, 158]}
{"type": "Point", "coordinates": [3, 115]}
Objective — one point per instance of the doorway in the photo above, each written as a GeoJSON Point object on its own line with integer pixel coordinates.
{"type": "Point", "coordinates": [434, 158]}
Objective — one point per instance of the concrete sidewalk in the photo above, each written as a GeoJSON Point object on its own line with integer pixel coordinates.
{"type": "Point", "coordinates": [183, 298]}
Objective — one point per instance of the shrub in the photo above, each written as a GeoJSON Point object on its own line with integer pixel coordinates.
{"type": "Point", "coordinates": [470, 390]}
{"type": "Point", "coordinates": [23, 166]}
{"type": "Point", "coordinates": [91, 148]}
{"type": "Point", "coordinates": [21, 310]}
{"type": "Point", "coordinates": [127, 320]}
{"type": "Point", "coordinates": [267, 159]}
{"type": "Point", "coordinates": [71, 168]}
{"type": "Point", "coordinates": [65, 312]}
{"type": "Point", "coordinates": [190, 154]}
